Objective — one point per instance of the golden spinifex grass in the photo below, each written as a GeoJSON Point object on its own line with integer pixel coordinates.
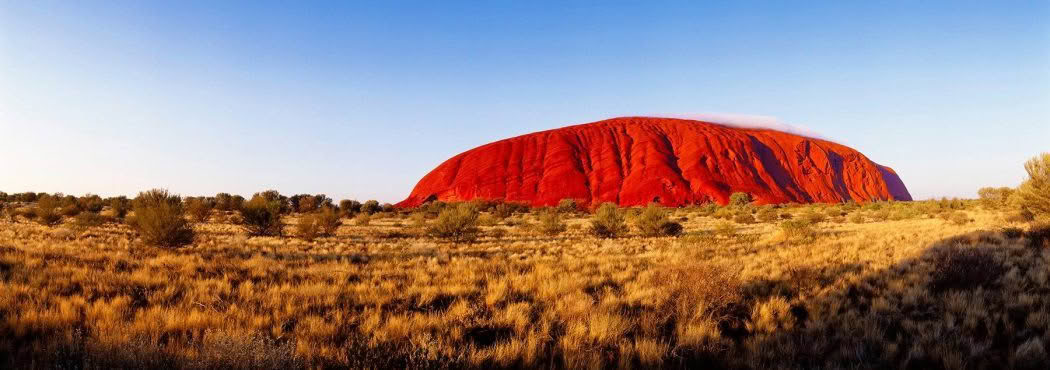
{"type": "Point", "coordinates": [919, 291]}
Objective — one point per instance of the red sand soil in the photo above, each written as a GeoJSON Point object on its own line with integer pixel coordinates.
{"type": "Point", "coordinates": [674, 162]}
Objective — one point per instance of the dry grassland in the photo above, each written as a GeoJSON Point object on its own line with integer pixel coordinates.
{"type": "Point", "coordinates": [921, 292]}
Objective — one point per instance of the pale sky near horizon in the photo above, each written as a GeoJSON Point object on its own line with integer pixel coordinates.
{"type": "Point", "coordinates": [361, 100]}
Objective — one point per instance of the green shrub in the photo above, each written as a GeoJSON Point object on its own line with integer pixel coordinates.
{"type": "Point", "coordinates": [88, 220]}
{"type": "Point", "coordinates": [160, 219]}
{"type": "Point", "coordinates": [608, 221]}
{"type": "Point", "coordinates": [328, 220]}
{"type": "Point", "coordinates": [370, 207]}
{"type": "Point", "coordinates": [708, 209]}
{"type": "Point", "coordinates": [994, 198]}
{"type": "Point", "coordinates": [739, 199]}
{"type": "Point", "coordinates": [797, 230]}
{"type": "Point", "coordinates": [274, 197]}
{"type": "Point", "coordinates": [653, 221]}
{"type": "Point", "coordinates": [1034, 193]}
{"type": "Point", "coordinates": [199, 208]}
{"type": "Point", "coordinates": [362, 219]}
{"type": "Point", "coordinates": [502, 210]}
{"type": "Point", "coordinates": [349, 207]}
{"type": "Point", "coordinates": [456, 223]}
{"type": "Point", "coordinates": [47, 212]}
{"type": "Point", "coordinates": [119, 206]}
{"type": "Point", "coordinates": [308, 227]}
{"type": "Point", "coordinates": [551, 224]}
{"type": "Point", "coordinates": [856, 217]}
{"type": "Point", "coordinates": [262, 217]}
{"type": "Point", "coordinates": [91, 203]}
{"type": "Point", "coordinates": [568, 206]}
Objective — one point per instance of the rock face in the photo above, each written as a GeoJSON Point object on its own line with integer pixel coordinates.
{"type": "Point", "coordinates": [674, 162]}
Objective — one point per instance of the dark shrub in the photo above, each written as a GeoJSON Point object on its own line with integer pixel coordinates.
{"type": "Point", "coordinates": [1012, 232]}
{"type": "Point", "coordinates": [262, 217]}
{"type": "Point", "coordinates": [456, 223]}
{"type": "Point", "coordinates": [797, 230]}
{"type": "Point", "coordinates": [328, 220]}
{"type": "Point", "coordinates": [568, 206]}
{"type": "Point", "coordinates": [349, 207]}
{"type": "Point", "coordinates": [1039, 235]}
{"type": "Point", "coordinates": [608, 221]}
{"type": "Point", "coordinates": [119, 206]}
{"type": "Point", "coordinates": [275, 197]}
{"type": "Point", "coordinates": [653, 221]}
{"type": "Point", "coordinates": [370, 207]}
{"type": "Point", "coordinates": [551, 223]}
{"type": "Point", "coordinates": [47, 212]}
{"type": "Point", "coordinates": [160, 219]}
{"type": "Point", "coordinates": [739, 199]}
{"type": "Point", "coordinates": [89, 219]}
{"type": "Point", "coordinates": [91, 203]}
{"type": "Point", "coordinates": [964, 268]}
{"type": "Point", "coordinates": [308, 227]}
{"type": "Point", "coordinates": [199, 208]}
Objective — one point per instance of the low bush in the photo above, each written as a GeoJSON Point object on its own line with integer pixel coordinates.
{"type": "Point", "coordinates": [199, 208]}
{"type": "Point", "coordinates": [308, 227]}
{"type": "Point", "coordinates": [160, 219]}
{"type": "Point", "coordinates": [362, 219]}
{"type": "Point", "coordinates": [47, 212]}
{"type": "Point", "coordinates": [856, 217]}
{"type": "Point", "coordinates": [370, 207]}
{"type": "Point", "coordinates": [799, 230]}
{"type": "Point", "coordinates": [328, 220]}
{"type": "Point", "coordinates": [88, 220]}
{"type": "Point", "coordinates": [349, 207]}
{"type": "Point", "coordinates": [568, 206]}
{"type": "Point", "coordinates": [262, 217]}
{"type": "Point", "coordinates": [91, 203]}
{"type": "Point", "coordinates": [551, 224]}
{"type": "Point", "coordinates": [457, 224]}
{"type": "Point", "coordinates": [119, 206]}
{"type": "Point", "coordinates": [1034, 193]}
{"type": "Point", "coordinates": [608, 221]}
{"type": "Point", "coordinates": [653, 221]}
{"type": "Point", "coordinates": [739, 199]}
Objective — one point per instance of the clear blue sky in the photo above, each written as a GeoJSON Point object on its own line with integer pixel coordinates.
{"type": "Point", "coordinates": [361, 100]}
